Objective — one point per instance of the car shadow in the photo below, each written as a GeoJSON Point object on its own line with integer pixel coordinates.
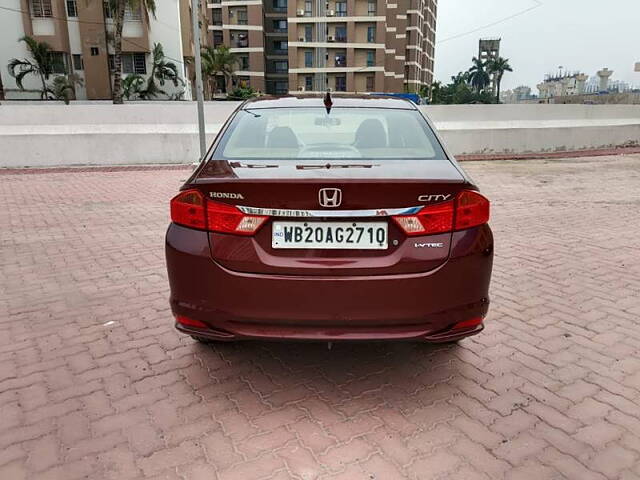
{"type": "Point", "coordinates": [348, 378]}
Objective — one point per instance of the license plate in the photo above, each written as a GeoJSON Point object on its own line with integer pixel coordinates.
{"type": "Point", "coordinates": [330, 235]}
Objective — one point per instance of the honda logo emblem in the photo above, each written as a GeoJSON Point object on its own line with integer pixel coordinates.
{"type": "Point", "coordinates": [330, 197]}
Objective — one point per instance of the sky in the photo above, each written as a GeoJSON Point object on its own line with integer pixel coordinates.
{"type": "Point", "coordinates": [584, 35]}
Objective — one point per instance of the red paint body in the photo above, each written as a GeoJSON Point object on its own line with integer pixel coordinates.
{"type": "Point", "coordinates": [240, 287]}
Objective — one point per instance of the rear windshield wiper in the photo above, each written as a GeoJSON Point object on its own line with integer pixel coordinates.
{"type": "Point", "coordinates": [251, 165]}
{"type": "Point", "coordinates": [336, 165]}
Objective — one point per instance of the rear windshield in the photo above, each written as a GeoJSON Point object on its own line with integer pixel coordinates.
{"type": "Point", "coordinates": [344, 133]}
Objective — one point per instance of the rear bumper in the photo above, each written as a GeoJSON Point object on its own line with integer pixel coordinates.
{"type": "Point", "coordinates": [421, 306]}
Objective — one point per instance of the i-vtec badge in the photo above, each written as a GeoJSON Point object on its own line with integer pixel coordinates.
{"type": "Point", "coordinates": [429, 245]}
{"type": "Point", "coordinates": [234, 196]}
{"type": "Point", "coordinates": [434, 198]}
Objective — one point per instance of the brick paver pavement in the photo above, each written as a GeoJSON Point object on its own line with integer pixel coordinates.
{"type": "Point", "coordinates": [95, 383]}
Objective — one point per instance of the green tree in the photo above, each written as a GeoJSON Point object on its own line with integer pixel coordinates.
{"type": "Point", "coordinates": [42, 64]}
{"type": "Point", "coordinates": [498, 66]}
{"type": "Point", "coordinates": [64, 87]}
{"type": "Point", "coordinates": [478, 75]}
{"type": "Point", "coordinates": [461, 77]}
{"type": "Point", "coordinates": [132, 85]}
{"type": "Point", "coordinates": [118, 8]}
{"type": "Point", "coordinates": [215, 62]}
{"type": "Point", "coordinates": [161, 71]}
{"type": "Point", "coordinates": [242, 92]}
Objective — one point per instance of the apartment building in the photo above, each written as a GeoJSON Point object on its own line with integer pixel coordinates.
{"type": "Point", "coordinates": [78, 33]}
{"type": "Point", "coordinates": [238, 24]}
{"type": "Point", "coordinates": [345, 45]}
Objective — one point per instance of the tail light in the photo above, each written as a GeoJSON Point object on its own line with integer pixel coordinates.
{"type": "Point", "coordinates": [472, 209]}
{"type": "Point", "coordinates": [468, 209]}
{"type": "Point", "coordinates": [191, 209]}
{"type": "Point", "coordinates": [428, 221]}
{"type": "Point", "coordinates": [228, 219]}
{"type": "Point", "coordinates": [188, 209]}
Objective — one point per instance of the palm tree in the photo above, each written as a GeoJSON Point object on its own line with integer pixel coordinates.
{"type": "Point", "coordinates": [460, 78]}
{"type": "Point", "coordinates": [132, 85]}
{"type": "Point", "coordinates": [478, 75]}
{"type": "Point", "coordinates": [218, 61]}
{"type": "Point", "coordinates": [1, 88]}
{"type": "Point", "coordinates": [161, 70]}
{"type": "Point", "coordinates": [497, 67]}
{"type": "Point", "coordinates": [42, 64]}
{"type": "Point", "coordinates": [118, 8]}
{"type": "Point", "coordinates": [64, 87]}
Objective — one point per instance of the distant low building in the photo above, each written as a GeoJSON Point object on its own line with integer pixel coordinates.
{"type": "Point", "coordinates": [517, 95]}
{"type": "Point", "coordinates": [562, 85]}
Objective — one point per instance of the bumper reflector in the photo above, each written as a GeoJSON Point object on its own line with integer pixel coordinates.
{"type": "Point", "coordinates": [473, 322]}
{"type": "Point", "coordinates": [190, 322]}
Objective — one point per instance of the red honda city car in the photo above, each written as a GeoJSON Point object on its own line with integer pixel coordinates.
{"type": "Point", "coordinates": [329, 219]}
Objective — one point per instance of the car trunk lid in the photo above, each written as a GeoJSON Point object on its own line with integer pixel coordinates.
{"type": "Point", "coordinates": [370, 192]}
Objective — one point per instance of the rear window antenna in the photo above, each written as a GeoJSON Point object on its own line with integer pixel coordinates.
{"type": "Point", "coordinates": [328, 102]}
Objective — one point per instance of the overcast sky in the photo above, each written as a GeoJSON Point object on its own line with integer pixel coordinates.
{"type": "Point", "coordinates": [584, 35]}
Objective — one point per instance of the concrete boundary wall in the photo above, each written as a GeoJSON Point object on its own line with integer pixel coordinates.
{"type": "Point", "coordinates": [50, 134]}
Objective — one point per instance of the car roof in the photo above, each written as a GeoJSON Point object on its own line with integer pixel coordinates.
{"type": "Point", "coordinates": [294, 101]}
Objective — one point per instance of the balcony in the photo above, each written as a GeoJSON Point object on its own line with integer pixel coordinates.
{"type": "Point", "coordinates": [239, 39]}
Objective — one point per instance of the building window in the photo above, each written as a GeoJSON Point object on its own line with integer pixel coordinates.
{"type": "Point", "coordinates": [241, 15]}
{"type": "Point", "coordinates": [341, 83]}
{"type": "Point", "coordinates": [243, 82]}
{"type": "Point", "coordinates": [281, 66]}
{"type": "Point", "coordinates": [41, 8]}
{"type": "Point", "coordinates": [371, 34]}
{"type": "Point", "coordinates": [134, 63]}
{"type": "Point", "coordinates": [371, 9]}
{"type": "Point", "coordinates": [216, 16]}
{"type": "Point", "coordinates": [95, 51]}
{"type": "Point", "coordinates": [280, 5]}
{"type": "Point", "coordinates": [370, 83]}
{"type": "Point", "coordinates": [308, 6]}
{"type": "Point", "coordinates": [308, 59]}
{"type": "Point", "coordinates": [308, 33]}
{"type": "Point", "coordinates": [132, 15]}
{"type": "Point", "coordinates": [280, 46]}
{"type": "Point", "coordinates": [281, 88]}
{"type": "Point", "coordinates": [341, 59]}
{"type": "Point", "coordinates": [280, 26]}
{"type": "Point", "coordinates": [371, 58]}
{"type": "Point", "coordinates": [341, 33]}
{"type": "Point", "coordinates": [308, 83]}
{"type": "Point", "coordinates": [217, 38]}
{"type": "Point", "coordinates": [72, 8]}
{"type": "Point", "coordinates": [78, 64]}
{"type": "Point", "coordinates": [341, 9]}
{"type": "Point", "coordinates": [59, 62]}
{"type": "Point", "coordinates": [243, 62]}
